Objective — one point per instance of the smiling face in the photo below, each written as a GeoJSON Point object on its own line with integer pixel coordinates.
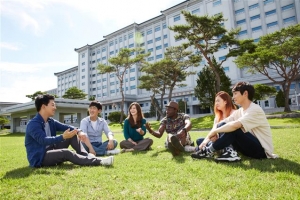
{"type": "Point", "coordinates": [49, 109]}
{"type": "Point", "coordinates": [220, 103]}
{"type": "Point", "coordinates": [239, 98]}
{"type": "Point", "coordinates": [93, 111]}
{"type": "Point", "coordinates": [133, 111]}
{"type": "Point", "coordinates": [171, 112]}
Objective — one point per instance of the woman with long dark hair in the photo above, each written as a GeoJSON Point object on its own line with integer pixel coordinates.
{"type": "Point", "coordinates": [134, 131]}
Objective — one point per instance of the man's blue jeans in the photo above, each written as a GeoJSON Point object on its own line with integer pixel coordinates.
{"type": "Point", "coordinates": [100, 148]}
{"type": "Point", "coordinates": [246, 143]}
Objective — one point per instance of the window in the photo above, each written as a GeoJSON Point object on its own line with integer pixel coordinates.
{"type": "Point", "coordinates": [239, 11]}
{"type": "Point", "coordinates": [157, 28]}
{"type": "Point", "coordinates": [83, 70]}
{"type": "Point", "coordinates": [150, 58]}
{"type": "Point", "coordinates": [176, 18]}
{"type": "Point", "coordinates": [116, 41]}
{"type": "Point", "coordinates": [149, 41]}
{"type": "Point", "coordinates": [132, 78]}
{"type": "Point", "coordinates": [104, 58]}
{"type": "Point", "coordinates": [103, 49]}
{"type": "Point", "coordinates": [131, 45]}
{"type": "Point", "coordinates": [104, 94]}
{"type": "Point", "coordinates": [104, 79]}
{"type": "Point", "coordinates": [157, 39]}
{"type": "Point", "coordinates": [158, 47]}
{"type": "Point", "coordinates": [83, 55]}
{"type": "Point", "coordinates": [293, 86]}
{"type": "Point", "coordinates": [255, 17]}
{"type": "Point", "coordinates": [112, 52]}
{"type": "Point", "coordinates": [166, 45]}
{"type": "Point", "coordinates": [112, 75]}
{"type": "Point", "coordinates": [83, 83]}
{"type": "Point", "coordinates": [104, 87]}
{"type": "Point", "coordinates": [258, 28]}
{"type": "Point", "coordinates": [120, 39]}
{"type": "Point", "coordinates": [195, 11]}
{"type": "Point", "coordinates": [83, 77]}
{"type": "Point", "coordinates": [112, 91]}
{"type": "Point", "coordinates": [111, 43]}
{"type": "Point", "coordinates": [287, 7]}
{"type": "Point", "coordinates": [271, 12]}
{"type": "Point", "coordinates": [130, 35]}
{"type": "Point", "coordinates": [288, 20]}
{"type": "Point", "coordinates": [268, 1]}
{"type": "Point", "coordinates": [272, 24]}
{"type": "Point", "coordinates": [217, 2]}
{"type": "Point", "coordinates": [98, 95]}
{"type": "Point", "coordinates": [132, 87]}
{"type": "Point", "coordinates": [226, 69]}
{"type": "Point", "coordinates": [164, 26]}
{"type": "Point", "coordinates": [158, 56]}
{"type": "Point", "coordinates": [165, 36]}
{"type": "Point", "coordinates": [98, 51]}
{"type": "Point", "coordinates": [99, 81]}
{"type": "Point", "coordinates": [98, 60]}
{"type": "Point", "coordinates": [222, 58]}
{"type": "Point", "coordinates": [125, 37]}
{"type": "Point", "coordinates": [83, 63]}
{"type": "Point", "coordinates": [242, 21]}
{"type": "Point", "coordinates": [142, 34]}
{"type": "Point", "coordinates": [256, 40]}
{"type": "Point", "coordinates": [142, 44]}
{"type": "Point", "coordinates": [94, 75]}
{"type": "Point", "coordinates": [242, 32]}
{"type": "Point", "coordinates": [131, 53]}
{"type": "Point", "coordinates": [132, 70]}
{"type": "Point", "coordinates": [149, 31]}
{"type": "Point", "coordinates": [266, 103]}
{"type": "Point", "coordinates": [254, 6]}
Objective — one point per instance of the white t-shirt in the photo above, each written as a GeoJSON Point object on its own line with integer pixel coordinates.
{"type": "Point", "coordinates": [254, 120]}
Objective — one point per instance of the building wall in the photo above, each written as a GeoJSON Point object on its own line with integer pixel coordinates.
{"type": "Point", "coordinates": [255, 18]}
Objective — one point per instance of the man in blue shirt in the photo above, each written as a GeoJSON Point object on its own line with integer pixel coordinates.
{"type": "Point", "coordinates": [94, 126]}
{"type": "Point", "coordinates": [45, 148]}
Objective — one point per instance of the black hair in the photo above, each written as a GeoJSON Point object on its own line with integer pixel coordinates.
{"type": "Point", "coordinates": [96, 104]}
{"type": "Point", "coordinates": [244, 86]}
{"type": "Point", "coordinates": [42, 99]}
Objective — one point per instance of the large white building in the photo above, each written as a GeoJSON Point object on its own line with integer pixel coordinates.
{"type": "Point", "coordinates": [255, 17]}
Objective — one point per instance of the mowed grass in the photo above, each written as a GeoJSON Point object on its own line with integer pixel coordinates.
{"type": "Point", "coordinates": [155, 174]}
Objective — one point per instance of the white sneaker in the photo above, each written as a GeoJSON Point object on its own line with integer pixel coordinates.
{"type": "Point", "coordinates": [90, 155]}
{"type": "Point", "coordinates": [113, 152]}
{"type": "Point", "coordinates": [107, 161]}
{"type": "Point", "coordinates": [189, 148]}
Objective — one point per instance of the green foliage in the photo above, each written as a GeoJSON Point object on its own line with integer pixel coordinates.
{"type": "Point", "coordinates": [208, 35]}
{"type": "Point", "coordinates": [280, 99]}
{"type": "Point", "coordinates": [92, 98]}
{"type": "Point", "coordinates": [3, 121]}
{"type": "Point", "coordinates": [206, 88]}
{"type": "Point", "coordinates": [263, 91]}
{"type": "Point", "coordinates": [182, 106]}
{"type": "Point", "coordinates": [34, 95]}
{"type": "Point", "coordinates": [74, 93]}
{"type": "Point", "coordinates": [115, 116]}
{"type": "Point", "coordinates": [276, 52]}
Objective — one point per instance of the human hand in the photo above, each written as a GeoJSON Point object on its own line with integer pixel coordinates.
{"type": "Point", "coordinates": [110, 145]}
{"type": "Point", "coordinates": [133, 142]}
{"type": "Point", "coordinates": [148, 127]}
{"type": "Point", "coordinates": [69, 134]}
{"type": "Point", "coordinates": [82, 136]}
{"type": "Point", "coordinates": [204, 143]}
{"type": "Point", "coordinates": [214, 138]}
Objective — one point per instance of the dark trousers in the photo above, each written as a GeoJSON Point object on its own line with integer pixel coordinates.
{"type": "Point", "coordinates": [246, 143]}
{"type": "Point", "coordinates": [142, 145]}
{"type": "Point", "coordinates": [59, 153]}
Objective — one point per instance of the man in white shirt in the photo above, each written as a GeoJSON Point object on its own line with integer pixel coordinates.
{"type": "Point", "coordinates": [247, 130]}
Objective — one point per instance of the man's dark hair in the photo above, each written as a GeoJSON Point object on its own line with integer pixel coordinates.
{"type": "Point", "coordinates": [97, 104]}
{"type": "Point", "coordinates": [42, 99]}
{"type": "Point", "coordinates": [244, 86]}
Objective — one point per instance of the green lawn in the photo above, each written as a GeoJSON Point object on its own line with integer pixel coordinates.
{"type": "Point", "coordinates": [155, 174]}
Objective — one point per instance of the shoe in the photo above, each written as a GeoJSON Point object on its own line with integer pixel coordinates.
{"type": "Point", "coordinates": [107, 161]}
{"type": "Point", "coordinates": [113, 152]}
{"type": "Point", "coordinates": [175, 142]}
{"type": "Point", "coordinates": [127, 150]}
{"type": "Point", "coordinates": [229, 155]}
{"type": "Point", "coordinates": [203, 153]}
{"type": "Point", "coordinates": [90, 155]}
{"type": "Point", "coordinates": [189, 148]}
{"type": "Point", "coordinates": [174, 151]}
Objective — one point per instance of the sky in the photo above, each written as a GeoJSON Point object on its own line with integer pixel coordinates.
{"type": "Point", "coordinates": [38, 37]}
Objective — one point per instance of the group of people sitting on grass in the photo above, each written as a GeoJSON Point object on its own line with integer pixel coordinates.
{"type": "Point", "coordinates": [245, 130]}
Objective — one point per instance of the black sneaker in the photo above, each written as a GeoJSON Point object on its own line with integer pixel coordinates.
{"type": "Point", "coordinates": [203, 153]}
{"type": "Point", "coordinates": [174, 151]}
{"type": "Point", "coordinates": [175, 142]}
{"type": "Point", "coordinates": [229, 155]}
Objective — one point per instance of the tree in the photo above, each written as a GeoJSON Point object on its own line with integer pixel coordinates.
{"type": "Point", "coordinates": [276, 53]}
{"type": "Point", "coordinates": [119, 65]}
{"type": "Point", "coordinates": [92, 98]}
{"type": "Point", "coordinates": [3, 121]}
{"type": "Point", "coordinates": [263, 91]}
{"type": "Point", "coordinates": [168, 73]}
{"type": "Point", "coordinates": [115, 116]}
{"type": "Point", "coordinates": [206, 88]}
{"type": "Point", "coordinates": [280, 100]}
{"type": "Point", "coordinates": [34, 95]}
{"type": "Point", "coordinates": [74, 93]}
{"type": "Point", "coordinates": [208, 35]}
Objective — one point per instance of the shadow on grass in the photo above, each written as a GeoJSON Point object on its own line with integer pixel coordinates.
{"type": "Point", "coordinates": [58, 170]}
{"type": "Point", "coordinates": [6, 134]}
{"type": "Point", "coordinates": [267, 165]}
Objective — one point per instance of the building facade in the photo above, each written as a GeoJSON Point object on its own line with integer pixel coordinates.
{"type": "Point", "coordinates": [255, 17]}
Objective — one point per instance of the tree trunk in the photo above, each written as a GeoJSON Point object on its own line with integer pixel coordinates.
{"type": "Point", "coordinates": [122, 104]}
{"type": "Point", "coordinates": [286, 91]}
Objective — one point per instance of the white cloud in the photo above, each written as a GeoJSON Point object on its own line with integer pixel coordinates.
{"type": "Point", "coordinates": [9, 46]}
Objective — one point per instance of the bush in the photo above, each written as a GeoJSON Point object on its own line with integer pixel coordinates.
{"type": "Point", "coordinates": [280, 99]}
{"type": "Point", "coordinates": [115, 116]}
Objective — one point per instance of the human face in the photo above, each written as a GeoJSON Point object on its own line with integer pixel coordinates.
{"type": "Point", "coordinates": [171, 112]}
{"type": "Point", "coordinates": [238, 98]}
{"type": "Point", "coordinates": [50, 108]}
{"type": "Point", "coordinates": [133, 110]}
{"type": "Point", "coordinates": [220, 103]}
{"type": "Point", "coordinates": [93, 111]}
